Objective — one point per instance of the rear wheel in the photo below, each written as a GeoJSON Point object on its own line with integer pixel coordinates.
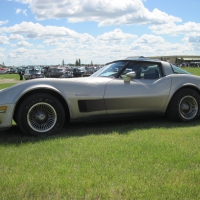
{"type": "Point", "coordinates": [184, 106]}
{"type": "Point", "coordinates": [40, 114]}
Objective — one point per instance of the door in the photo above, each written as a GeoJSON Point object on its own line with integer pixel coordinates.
{"type": "Point", "coordinates": [147, 92]}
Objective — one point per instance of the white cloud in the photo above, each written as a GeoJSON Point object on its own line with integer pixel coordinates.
{"type": "Point", "coordinates": [58, 43]}
{"type": "Point", "coordinates": [105, 12]}
{"type": "Point", "coordinates": [116, 35]}
{"type": "Point", "coordinates": [194, 39]}
{"type": "Point", "coordinates": [18, 10]}
{"type": "Point", "coordinates": [24, 44]}
{"type": "Point", "coordinates": [4, 40]}
{"type": "Point", "coordinates": [2, 55]}
{"type": "Point", "coordinates": [3, 22]}
{"type": "Point", "coordinates": [16, 37]}
{"type": "Point", "coordinates": [141, 16]}
{"type": "Point", "coordinates": [25, 12]}
{"type": "Point", "coordinates": [22, 56]}
{"type": "Point", "coordinates": [173, 29]}
{"type": "Point", "coordinates": [40, 46]}
{"type": "Point", "coordinates": [37, 30]}
{"type": "Point", "coordinates": [148, 44]}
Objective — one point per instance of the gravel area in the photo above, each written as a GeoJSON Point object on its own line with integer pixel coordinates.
{"type": "Point", "coordinates": [9, 81]}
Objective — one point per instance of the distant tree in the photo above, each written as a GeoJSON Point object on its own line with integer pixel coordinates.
{"type": "Point", "coordinates": [63, 63]}
{"type": "Point", "coordinates": [176, 60]}
{"type": "Point", "coordinates": [76, 63]}
{"type": "Point", "coordinates": [161, 59]}
{"type": "Point", "coordinates": [182, 60]}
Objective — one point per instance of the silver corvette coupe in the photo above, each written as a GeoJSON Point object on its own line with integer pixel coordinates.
{"type": "Point", "coordinates": [129, 87]}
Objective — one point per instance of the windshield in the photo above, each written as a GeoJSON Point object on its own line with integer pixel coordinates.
{"type": "Point", "coordinates": [110, 69]}
{"type": "Point", "coordinates": [178, 70]}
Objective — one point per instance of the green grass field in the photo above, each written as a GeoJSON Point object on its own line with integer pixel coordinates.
{"type": "Point", "coordinates": [127, 159]}
{"type": "Point", "coordinates": [135, 159]}
{"type": "Point", "coordinates": [193, 70]}
{"type": "Point", "coordinates": [5, 85]}
{"type": "Point", "coordinates": [9, 76]}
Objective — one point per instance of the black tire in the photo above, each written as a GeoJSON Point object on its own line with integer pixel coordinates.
{"type": "Point", "coordinates": [40, 115]}
{"type": "Point", "coordinates": [184, 106]}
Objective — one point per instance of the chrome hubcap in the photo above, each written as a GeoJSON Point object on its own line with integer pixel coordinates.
{"type": "Point", "coordinates": [188, 107]}
{"type": "Point", "coordinates": [41, 117]}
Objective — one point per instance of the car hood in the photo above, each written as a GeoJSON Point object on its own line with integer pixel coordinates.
{"type": "Point", "coordinates": [66, 87]}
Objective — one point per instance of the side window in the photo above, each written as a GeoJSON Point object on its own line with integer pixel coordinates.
{"type": "Point", "coordinates": [152, 72]}
{"type": "Point", "coordinates": [144, 70]}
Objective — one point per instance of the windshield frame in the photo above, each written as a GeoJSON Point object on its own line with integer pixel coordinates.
{"type": "Point", "coordinates": [112, 69]}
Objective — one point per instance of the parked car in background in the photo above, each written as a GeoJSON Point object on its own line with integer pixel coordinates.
{"type": "Point", "coordinates": [78, 71]}
{"type": "Point", "coordinates": [18, 69]}
{"type": "Point", "coordinates": [45, 70]}
{"type": "Point", "coordinates": [89, 71]}
{"type": "Point", "coordinates": [21, 69]}
{"type": "Point", "coordinates": [55, 72]}
{"type": "Point", "coordinates": [67, 74]}
{"type": "Point", "coordinates": [11, 71]}
{"type": "Point", "coordinates": [33, 73]}
{"type": "Point", "coordinates": [2, 71]}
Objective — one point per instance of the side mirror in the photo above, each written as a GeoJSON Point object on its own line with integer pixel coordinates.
{"type": "Point", "coordinates": [129, 76]}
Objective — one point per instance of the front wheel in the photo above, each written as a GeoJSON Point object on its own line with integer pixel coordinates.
{"type": "Point", "coordinates": [40, 114]}
{"type": "Point", "coordinates": [184, 106]}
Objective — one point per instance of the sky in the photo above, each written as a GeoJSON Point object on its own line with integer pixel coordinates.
{"type": "Point", "coordinates": [46, 32]}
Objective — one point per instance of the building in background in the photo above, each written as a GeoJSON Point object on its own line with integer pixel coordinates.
{"type": "Point", "coordinates": [179, 59]}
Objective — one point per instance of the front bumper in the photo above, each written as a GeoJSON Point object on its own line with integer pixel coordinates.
{"type": "Point", "coordinates": [6, 115]}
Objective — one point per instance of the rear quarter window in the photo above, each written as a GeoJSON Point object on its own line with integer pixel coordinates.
{"type": "Point", "coordinates": [178, 70]}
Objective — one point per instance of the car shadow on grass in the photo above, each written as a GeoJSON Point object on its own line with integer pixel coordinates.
{"type": "Point", "coordinates": [80, 129]}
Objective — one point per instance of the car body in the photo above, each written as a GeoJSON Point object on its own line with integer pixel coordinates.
{"type": "Point", "coordinates": [33, 73]}
{"type": "Point", "coordinates": [122, 88]}
{"type": "Point", "coordinates": [55, 72]}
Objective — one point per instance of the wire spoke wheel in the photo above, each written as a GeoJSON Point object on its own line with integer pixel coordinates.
{"type": "Point", "coordinates": [42, 117]}
{"type": "Point", "coordinates": [188, 107]}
